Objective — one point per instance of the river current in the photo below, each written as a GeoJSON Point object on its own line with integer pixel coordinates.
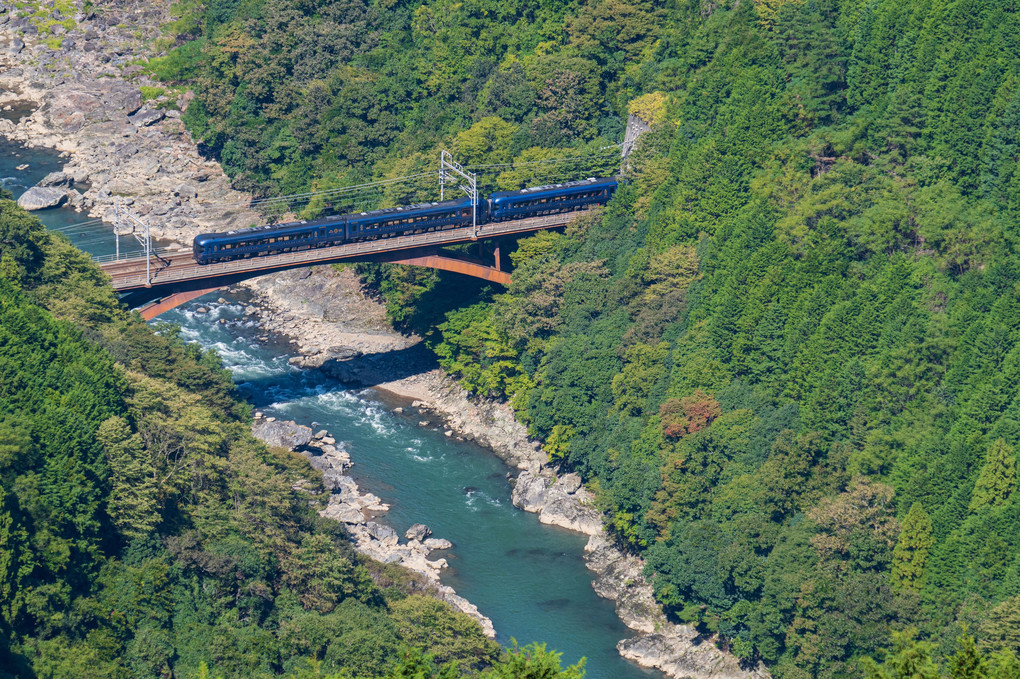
{"type": "Point", "coordinates": [529, 578]}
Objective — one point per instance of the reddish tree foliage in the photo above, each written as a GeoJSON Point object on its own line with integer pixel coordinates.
{"type": "Point", "coordinates": [689, 414]}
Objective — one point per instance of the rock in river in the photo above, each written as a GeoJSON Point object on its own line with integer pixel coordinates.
{"type": "Point", "coordinates": [40, 198]}
{"type": "Point", "coordinates": [56, 179]}
{"type": "Point", "coordinates": [284, 434]}
{"type": "Point", "coordinates": [418, 531]}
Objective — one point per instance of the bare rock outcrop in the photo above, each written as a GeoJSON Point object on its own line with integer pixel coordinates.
{"type": "Point", "coordinates": [282, 433]}
{"type": "Point", "coordinates": [42, 197]}
{"type": "Point", "coordinates": [682, 654]}
{"type": "Point", "coordinates": [558, 501]}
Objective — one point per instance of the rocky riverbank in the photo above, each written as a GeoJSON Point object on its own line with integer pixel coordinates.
{"type": "Point", "coordinates": [356, 510]}
{"type": "Point", "coordinates": [128, 153]}
{"type": "Point", "coordinates": [84, 98]}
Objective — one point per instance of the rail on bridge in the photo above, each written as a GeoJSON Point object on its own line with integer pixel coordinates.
{"type": "Point", "coordinates": [170, 278]}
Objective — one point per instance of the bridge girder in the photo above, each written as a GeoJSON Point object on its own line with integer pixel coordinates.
{"type": "Point", "coordinates": [433, 260]}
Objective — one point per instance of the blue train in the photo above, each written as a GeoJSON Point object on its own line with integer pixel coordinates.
{"type": "Point", "coordinates": [401, 221]}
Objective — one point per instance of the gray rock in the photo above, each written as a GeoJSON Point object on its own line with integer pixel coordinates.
{"type": "Point", "coordinates": [679, 652]}
{"type": "Point", "coordinates": [145, 117]}
{"type": "Point", "coordinates": [41, 197]}
{"type": "Point", "coordinates": [570, 483]}
{"type": "Point", "coordinates": [75, 199]}
{"type": "Point", "coordinates": [418, 531]}
{"type": "Point", "coordinates": [56, 179]}
{"type": "Point", "coordinates": [531, 492]}
{"type": "Point", "coordinates": [15, 46]}
{"type": "Point", "coordinates": [437, 543]}
{"type": "Point", "coordinates": [382, 533]}
{"type": "Point", "coordinates": [342, 353]}
{"type": "Point", "coordinates": [343, 512]}
{"type": "Point", "coordinates": [321, 434]}
{"type": "Point", "coordinates": [284, 434]}
{"type": "Point", "coordinates": [186, 191]}
{"type": "Point", "coordinates": [554, 504]}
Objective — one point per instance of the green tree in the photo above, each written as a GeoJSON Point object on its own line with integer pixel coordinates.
{"type": "Point", "coordinates": [910, 556]}
{"type": "Point", "coordinates": [133, 494]}
{"type": "Point", "coordinates": [967, 662]}
{"type": "Point", "coordinates": [997, 479]}
{"type": "Point", "coordinates": [534, 662]}
{"type": "Point", "coordinates": [1000, 631]}
{"type": "Point", "coordinates": [909, 659]}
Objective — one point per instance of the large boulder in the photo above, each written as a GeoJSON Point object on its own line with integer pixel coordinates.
{"type": "Point", "coordinates": [531, 492]}
{"type": "Point", "coordinates": [282, 433]}
{"type": "Point", "coordinates": [418, 531]}
{"type": "Point", "coordinates": [56, 179]}
{"type": "Point", "coordinates": [383, 533]}
{"type": "Point", "coordinates": [559, 502]}
{"type": "Point", "coordinates": [146, 117]}
{"type": "Point", "coordinates": [42, 197]}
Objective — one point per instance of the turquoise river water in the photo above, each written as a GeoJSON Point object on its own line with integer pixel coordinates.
{"type": "Point", "coordinates": [530, 579]}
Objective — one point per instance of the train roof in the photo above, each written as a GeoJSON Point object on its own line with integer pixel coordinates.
{"type": "Point", "coordinates": [591, 181]}
{"type": "Point", "coordinates": [387, 211]}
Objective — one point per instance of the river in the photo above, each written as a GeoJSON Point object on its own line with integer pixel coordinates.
{"type": "Point", "coordinates": [529, 578]}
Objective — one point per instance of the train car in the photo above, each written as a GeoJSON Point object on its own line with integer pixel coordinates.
{"type": "Point", "coordinates": [551, 199]}
{"type": "Point", "coordinates": [410, 219]}
{"type": "Point", "coordinates": [265, 240]}
{"type": "Point", "coordinates": [398, 221]}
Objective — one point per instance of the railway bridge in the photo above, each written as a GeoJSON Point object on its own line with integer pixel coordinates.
{"type": "Point", "coordinates": [168, 278]}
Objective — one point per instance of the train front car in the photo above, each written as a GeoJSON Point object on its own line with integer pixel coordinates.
{"type": "Point", "coordinates": [267, 240]}
{"type": "Point", "coordinates": [551, 199]}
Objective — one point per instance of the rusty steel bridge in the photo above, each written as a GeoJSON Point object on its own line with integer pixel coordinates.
{"type": "Point", "coordinates": [168, 278]}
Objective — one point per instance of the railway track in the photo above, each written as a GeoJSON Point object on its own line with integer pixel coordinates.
{"type": "Point", "coordinates": [174, 267]}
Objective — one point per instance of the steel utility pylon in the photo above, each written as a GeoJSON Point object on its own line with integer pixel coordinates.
{"type": "Point", "coordinates": [447, 164]}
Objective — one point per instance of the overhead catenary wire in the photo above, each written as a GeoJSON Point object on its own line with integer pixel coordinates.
{"type": "Point", "coordinates": [367, 186]}
{"type": "Point", "coordinates": [92, 223]}
{"type": "Point", "coordinates": [354, 188]}
{"type": "Point", "coordinates": [365, 196]}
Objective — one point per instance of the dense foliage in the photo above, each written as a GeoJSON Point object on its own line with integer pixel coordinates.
{"type": "Point", "coordinates": [787, 356]}
{"type": "Point", "coordinates": [145, 533]}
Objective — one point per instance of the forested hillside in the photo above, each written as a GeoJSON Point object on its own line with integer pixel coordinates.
{"type": "Point", "coordinates": [787, 356]}
{"type": "Point", "coordinates": [145, 533]}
